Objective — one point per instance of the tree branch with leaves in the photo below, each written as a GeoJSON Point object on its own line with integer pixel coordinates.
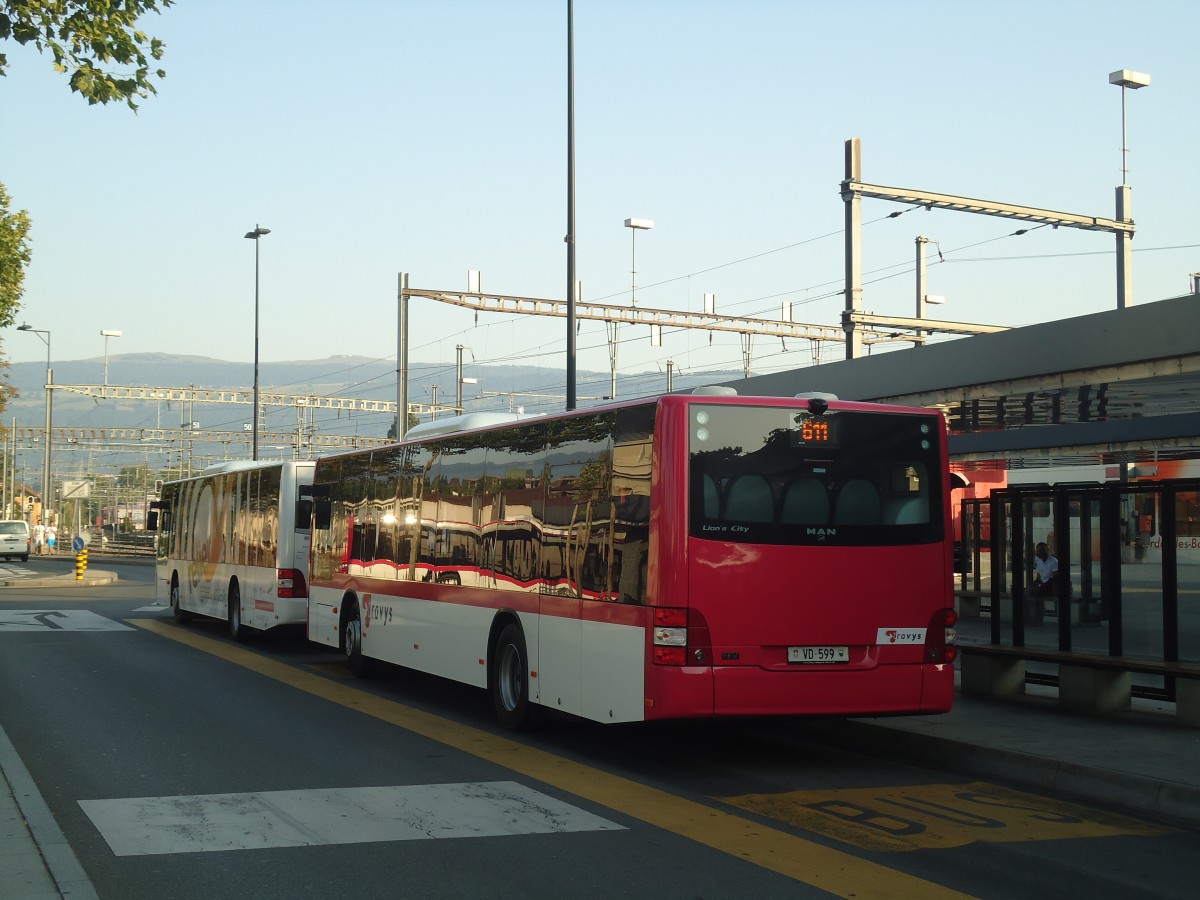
{"type": "Point", "coordinates": [14, 258]}
{"type": "Point", "coordinates": [96, 41]}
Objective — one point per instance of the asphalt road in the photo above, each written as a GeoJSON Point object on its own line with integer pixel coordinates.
{"type": "Point", "coordinates": [179, 764]}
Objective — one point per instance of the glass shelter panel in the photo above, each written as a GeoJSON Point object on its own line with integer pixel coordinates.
{"type": "Point", "coordinates": [1089, 619]}
{"type": "Point", "coordinates": [1002, 531]}
{"type": "Point", "coordinates": [1187, 570]}
{"type": "Point", "coordinates": [1039, 579]}
{"type": "Point", "coordinates": [1141, 577]}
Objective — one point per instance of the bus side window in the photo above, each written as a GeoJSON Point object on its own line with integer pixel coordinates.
{"type": "Point", "coordinates": [322, 513]}
{"type": "Point", "coordinates": [303, 514]}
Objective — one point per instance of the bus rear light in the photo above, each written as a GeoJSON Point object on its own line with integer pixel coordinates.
{"type": "Point", "coordinates": [673, 616]}
{"type": "Point", "coordinates": [680, 637]}
{"type": "Point", "coordinates": [290, 583]}
{"type": "Point", "coordinates": [940, 637]}
{"type": "Point", "coordinates": [670, 637]}
{"type": "Point", "coordinates": [670, 656]}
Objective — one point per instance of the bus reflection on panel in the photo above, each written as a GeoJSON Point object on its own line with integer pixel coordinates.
{"type": "Point", "coordinates": [693, 555]}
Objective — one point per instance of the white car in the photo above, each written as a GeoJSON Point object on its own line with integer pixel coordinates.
{"type": "Point", "coordinates": [14, 539]}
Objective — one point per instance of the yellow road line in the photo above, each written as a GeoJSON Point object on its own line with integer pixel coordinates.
{"type": "Point", "coordinates": [834, 871]}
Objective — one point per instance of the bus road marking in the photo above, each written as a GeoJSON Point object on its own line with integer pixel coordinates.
{"type": "Point", "coordinates": [56, 620]}
{"type": "Point", "coordinates": [144, 826]}
{"type": "Point", "coordinates": [834, 871]}
{"type": "Point", "coordinates": [937, 816]}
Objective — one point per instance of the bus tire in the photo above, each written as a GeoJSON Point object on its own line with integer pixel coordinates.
{"type": "Point", "coordinates": [352, 640]}
{"type": "Point", "coordinates": [238, 631]}
{"type": "Point", "coordinates": [180, 614]}
{"type": "Point", "coordinates": [510, 679]}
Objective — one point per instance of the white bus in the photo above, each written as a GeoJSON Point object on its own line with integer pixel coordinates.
{"type": "Point", "coordinates": [233, 544]}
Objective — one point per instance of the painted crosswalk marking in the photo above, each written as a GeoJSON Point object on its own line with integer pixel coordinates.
{"type": "Point", "coordinates": [56, 620]}
{"type": "Point", "coordinates": [262, 820]}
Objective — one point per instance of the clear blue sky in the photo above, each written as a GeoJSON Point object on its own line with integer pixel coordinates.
{"type": "Point", "coordinates": [430, 138]}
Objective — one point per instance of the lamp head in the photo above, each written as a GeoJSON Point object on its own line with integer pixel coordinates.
{"type": "Point", "coordinates": [258, 232]}
{"type": "Point", "coordinates": [1127, 78]}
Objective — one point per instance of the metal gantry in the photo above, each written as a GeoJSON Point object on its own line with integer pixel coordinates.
{"type": "Point", "coordinates": [642, 315]}
{"type": "Point", "coordinates": [224, 395]}
{"type": "Point", "coordinates": [614, 315]}
{"type": "Point", "coordinates": [138, 437]}
{"type": "Point", "coordinates": [853, 190]}
{"type": "Point", "coordinates": [303, 441]}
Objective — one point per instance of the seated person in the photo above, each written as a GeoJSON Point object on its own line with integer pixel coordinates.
{"type": "Point", "coordinates": [1047, 568]}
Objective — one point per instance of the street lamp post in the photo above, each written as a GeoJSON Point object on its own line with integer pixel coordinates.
{"type": "Point", "coordinates": [922, 297]}
{"type": "Point", "coordinates": [254, 235]}
{"type": "Point", "coordinates": [106, 334]}
{"type": "Point", "coordinates": [1125, 79]}
{"type": "Point", "coordinates": [635, 225]}
{"type": "Point", "coordinates": [46, 494]}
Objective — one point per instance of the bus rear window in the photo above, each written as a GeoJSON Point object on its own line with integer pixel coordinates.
{"type": "Point", "coordinates": [779, 475]}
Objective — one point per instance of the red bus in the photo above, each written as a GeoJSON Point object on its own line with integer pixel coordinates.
{"type": "Point", "coordinates": [685, 556]}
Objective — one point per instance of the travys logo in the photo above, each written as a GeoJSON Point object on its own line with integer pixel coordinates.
{"type": "Point", "coordinates": [900, 636]}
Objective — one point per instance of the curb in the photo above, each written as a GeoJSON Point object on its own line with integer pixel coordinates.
{"type": "Point", "coordinates": [60, 861]}
{"type": "Point", "coordinates": [92, 579]}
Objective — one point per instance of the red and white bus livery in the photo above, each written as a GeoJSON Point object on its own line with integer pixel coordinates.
{"type": "Point", "coordinates": [690, 555]}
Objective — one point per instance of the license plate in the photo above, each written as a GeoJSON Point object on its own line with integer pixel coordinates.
{"type": "Point", "coordinates": [818, 654]}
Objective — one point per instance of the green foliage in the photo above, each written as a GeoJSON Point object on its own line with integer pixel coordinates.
{"type": "Point", "coordinates": [14, 257]}
{"type": "Point", "coordinates": [87, 39]}
{"type": "Point", "coordinates": [135, 476]}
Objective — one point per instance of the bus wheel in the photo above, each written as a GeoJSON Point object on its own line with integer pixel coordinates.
{"type": "Point", "coordinates": [237, 630]}
{"type": "Point", "coordinates": [510, 679]}
{"type": "Point", "coordinates": [352, 641]}
{"type": "Point", "coordinates": [181, 615]}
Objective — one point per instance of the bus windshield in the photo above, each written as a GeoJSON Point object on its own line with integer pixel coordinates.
{"type": "Point", "coordinates": [776, 475]}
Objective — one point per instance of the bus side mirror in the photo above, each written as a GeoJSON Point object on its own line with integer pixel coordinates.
{"type": "Point", "coordinates": [303, 513]}
{"type": "Point", "coordinates": [152, 520]}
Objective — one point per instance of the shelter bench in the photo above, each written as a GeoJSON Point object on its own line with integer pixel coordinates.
{"type": "Point", "coordinates": [1086, 681]}
{"type": "Point", "coordinates": [971, 602]}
